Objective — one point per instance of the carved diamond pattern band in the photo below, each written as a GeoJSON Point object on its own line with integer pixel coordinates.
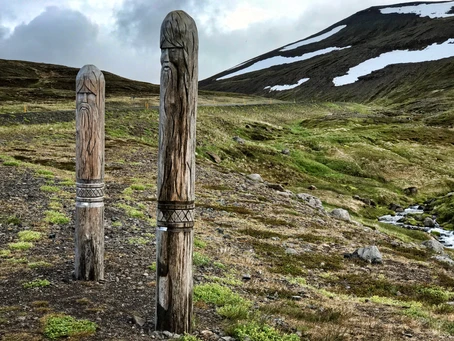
{"type": "Point", "coordinates": [175, 214]}
{"type": "Point", "coordinates": [87, 192]}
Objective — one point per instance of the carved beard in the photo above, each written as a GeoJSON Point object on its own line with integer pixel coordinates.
{"type": "Point", "coordinates": [172, 84]}
{"type": "Point", "coordinates": [88, 120]}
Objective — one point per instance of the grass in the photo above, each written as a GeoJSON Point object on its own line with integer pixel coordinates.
{"type": "Point", "coordinates": [50, 189]}
{"type": "Point", "coordinates": [199, 259]}
{"type": "Point", "coordinates": [132, 212]}
{"type": "Point", "coordinates": [59, 326]}
{"type": "Point", "coordinates": [39, 264]}
{"type": "Point", "coordinates": [11, 163]}
{"type": "Point", "coordinates": [254, 331]}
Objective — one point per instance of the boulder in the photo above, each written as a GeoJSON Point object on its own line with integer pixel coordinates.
{"type": "Point", "coordinates": [276, 187]}
{"type": "Point", "coordinates": [429, 222]}
{"type": "Point", "coordinates": [341, 214]}
{"type": "Point", "coordinates": [411, 190]}
{"type": "Point", "coordinates": [312, 201]}
{"type": "Point", "coordinates": [312, 188]}
{"type": "Point", "coordinates": [444, 259]}
{"type": "Point", "coordinates": [434, 245]}
{"type": "Point", "coordinates": [255, 177]}
{"type": "Point", "coordinates": [285, 151]}
{"type": "Point", "coordinates": [214, 157]}
{"type": "Point", "coordinates": [369, 254]}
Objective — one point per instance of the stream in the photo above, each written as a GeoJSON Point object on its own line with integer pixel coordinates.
{"type": "Point", "coordinates": [446, 237]}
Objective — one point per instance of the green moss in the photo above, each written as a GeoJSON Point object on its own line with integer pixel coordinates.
{"type": "Point", "coordinates": [13, 220]}
{"type": "Point", "coordinates": [58, 326]}
{"type": "Point", "coordinates": [199, 243]}
{"type": "Point", "coordinates": [29, 236]}
{"type": "Point", "coordinates": [5, 253]}
{"type": "Point", "coordinates": [138, 187]}
{"type": "Point", "coordinates": [199, 259]}
{"type": "Point", "coordinates": [37, 283]}
{"type": "Point", "coordinates": [216, 294]}
{"type": "Point", "coordinates": [152, 267]}
{"type": "Point", "coordinates": [11, 163]}
{"type": "Point", "coordinates": [39, 264]}
{"type": "Point", "coordinates": [54, 217]}
{"type": "Point", "coordinates": [254, 331]}
{"type": "Point", "coordinates": [20, 246]}
{"type": "Point", "coordinates": [138, 240]}
{"type": "Point", "coordinates": [47, 188]}
{"type": "Point", "coordinates": [131, 211]}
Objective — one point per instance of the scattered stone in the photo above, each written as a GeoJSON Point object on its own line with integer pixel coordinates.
{"type": "Point", "coordinates": [208, 335]}
{"type": "Point", "coordinates": [255, 177]}
{"type": "Point", "coordinates": [312, 188]}
{"type": "Point", "coordinates": [340, 213]}
{"type": "Point", "coordinates": [138, 321]}
{"type": "Point", "coordinates": [444, 259]}
{"type": "Point", "coordinates": [297, 298]}
{"type": "Point", "coordinates": [367, 201]}
{"type": "Point", "coordinates": [214, 157]}
{"type": "Point", "coordinates": [246, 277]}
{"type": "Point", "coordinates": [434, 246]}
{"type": "Point", "coordinates": [167, 333]}
{"type": "Point", "coordinates": [395, 207]}
{"type": "Point", "coordinates": [429, 222]}
{"type": "Point", "coordinates": [285, 194]}
{"type": "Point", "coordinates": [312, 201]}
{"type": "Point", "coordinates": [276, 187]}
{"type": "Point", "coordinates": [411, 190]}
{"type": "Point", "coordinates": [290, 251]}
{"type": "Point", "coordinates": [285, 151]}
{"type": "Point", "coordinates": [369, 254]}
{"type": "Point", "coordinates": [227, 338]}
{"type": "Point", "coordinates": [238, 139]}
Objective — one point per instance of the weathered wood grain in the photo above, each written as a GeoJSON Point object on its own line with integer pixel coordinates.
{"type": "Point", "coordinates": [176, 172]}
{"type": "Point", "coordinates": [89, 229]}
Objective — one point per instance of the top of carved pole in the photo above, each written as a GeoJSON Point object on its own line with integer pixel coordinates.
{"type": "Point", "coordinates": [177, 120]}
{"type": "Point", "coordinates": [90, 111]}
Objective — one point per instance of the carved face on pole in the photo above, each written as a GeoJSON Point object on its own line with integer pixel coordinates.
{"type": "Point", "coordinates": [178, 50]}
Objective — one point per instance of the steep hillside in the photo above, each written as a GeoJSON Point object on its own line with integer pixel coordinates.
{"type": "Point", "coordinates": [325, 65]}
{"type": "Point", "coordinates": [22, 80]}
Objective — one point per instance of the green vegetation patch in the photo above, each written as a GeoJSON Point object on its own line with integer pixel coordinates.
{"type": "Point", "coordinates": [5, 253]}
{"type": "Point", "coordinates": [199, 259]}
{"type": "Point", "coordinates": [39, 264]}
{"type": "Point", "coordinates": [29, 236]}
{"type": "Point", "coordinates": [55, 217]}
{"type": "Point", "coordinates": [11, 163]}
{"type": "Point", "coordinates": [37, 283]}
{"type": "Point", "coordinates": [58, 326]}
{"type": "Point", "coordinates": [20, 246]}
{"type": "Point", "coordinates": [48, 188]}
{"type": "Point", "coordinates": [255, 331]}
{"type": "Point", "coordinates": [199, 243]}
{"type": "Point", "coordinates": [131, 211]}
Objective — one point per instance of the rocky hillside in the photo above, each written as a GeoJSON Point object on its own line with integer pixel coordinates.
{"type": "Point", "coordinates": [400, 54]}
{"type": "Point", "coordinates": [22, 80]}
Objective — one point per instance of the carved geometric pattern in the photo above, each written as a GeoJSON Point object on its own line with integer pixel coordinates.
{"type": "Point", "coordinates": [175, 214]}
{"type": "Point", "coordinates": [90, 192]}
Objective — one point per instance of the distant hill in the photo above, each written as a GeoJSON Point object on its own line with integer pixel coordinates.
{"type": "Point", "coordinates": [401, 54]}
{"type": "Point", "coordinates": [22, 80]}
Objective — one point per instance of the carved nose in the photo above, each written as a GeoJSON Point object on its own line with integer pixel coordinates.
{"type": "Point", "coordinates": [85, 98]}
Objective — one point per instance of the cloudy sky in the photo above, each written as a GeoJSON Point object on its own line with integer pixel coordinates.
{"type": "Point", "coordinates": [122, 36]}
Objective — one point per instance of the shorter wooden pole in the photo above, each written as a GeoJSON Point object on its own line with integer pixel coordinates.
{"type": "Point", "coordinates": [89, 231]}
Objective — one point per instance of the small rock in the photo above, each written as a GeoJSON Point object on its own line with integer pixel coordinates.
{"type": "Point", "coordinates": [445, 259]}
{"type": "Point", "coordinates": [370, 254]}
{"type": "Point", "coordinates": [255, 177]}
{"type": "Point", "coordinates": [227, 338]}
{"type": "Point", "coordinates": [246, 277]}
{"type": "Point", "coordinates": [429, 222]}
{"type": "Point", "coordinates": [434, 246]}
{"type": "Point", "coordinates": [214, 157]}
{"type": "Point", "coordinates": [341, 214]}
{"type": "Point", "coordinates": [312, 188]}
{"type": "Point", "coordinates": [290, 251]}
{"type": "Point", "coordinates": [238, 139]}
{"type": "Point", "coordinates": [312, 201]}
{"type": "Point", "coordinates": [138, 321]}
{"type": "Point", "coordinates": [395, 207]}
{"type": "Point", "coordinates": [167, 334]}
{"type": "Point", "coordinates": [297, 298]}
{"type": "Point", "coordinates": [285, 151]}
{"type": "Point", "coordinates": [411, 190]}
{"type": "Point", "coordinates": [285, 194]}
{"type": "Point", "coordinates": [276, 187]}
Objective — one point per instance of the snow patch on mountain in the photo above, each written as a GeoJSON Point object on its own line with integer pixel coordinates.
{"type": "Point", "coordinates": [280, 60]}
{"type": "Point", "coordinates": [435, 10]}
{"type": "Point", "coordinates": [314, 39]}
{"type": "Point", "coordinates": [286, 87]}
{"type": "Point", "coordinates": [430, 53]}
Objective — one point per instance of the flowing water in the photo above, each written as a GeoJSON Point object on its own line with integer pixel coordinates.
{"type": "Point", "coordinates": [446, 237]}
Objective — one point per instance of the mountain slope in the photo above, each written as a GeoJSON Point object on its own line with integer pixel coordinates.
{"type": "Point", "coordinates": [309, 69]}
{"type": "Point", "coordinates": [23, 80]}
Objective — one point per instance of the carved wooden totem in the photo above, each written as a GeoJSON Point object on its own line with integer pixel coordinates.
{"type": "Point", "coordinates": [176, 172]}
{"type": "Point", "coordinates": [89, 232]}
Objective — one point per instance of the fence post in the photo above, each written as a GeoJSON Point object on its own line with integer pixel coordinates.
{"type": "Point", "coordinates": [89, 231]}
{"type": "Point", "coordinates": [176, 172]}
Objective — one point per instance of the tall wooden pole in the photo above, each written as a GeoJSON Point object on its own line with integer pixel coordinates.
{"type": "Point", "coordinates": [176, 172]}
{"type": "Point", "coordinates": [89, 234]}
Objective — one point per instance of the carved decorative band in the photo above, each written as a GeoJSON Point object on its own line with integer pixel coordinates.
{"type": "Point", "coordinates": [89, 192]}
{"type": "Point", "coordinates": [176, 214]}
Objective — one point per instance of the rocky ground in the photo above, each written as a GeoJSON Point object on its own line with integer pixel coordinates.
{"type": "Point", "coordinates": [283, 252]}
